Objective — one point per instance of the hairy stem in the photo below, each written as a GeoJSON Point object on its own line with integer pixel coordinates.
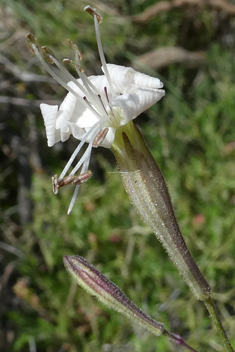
{"type": "Point", "coordinates": [214, 314]}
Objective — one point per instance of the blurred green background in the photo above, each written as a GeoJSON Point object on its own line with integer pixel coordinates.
{"type": "Point", "coordinates": [191, 134]}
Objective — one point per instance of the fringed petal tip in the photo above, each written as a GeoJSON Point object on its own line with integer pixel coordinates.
{"type": "Point", "coordinates": [49, 114]}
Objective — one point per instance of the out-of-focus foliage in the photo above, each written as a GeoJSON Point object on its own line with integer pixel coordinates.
{"type": "Point", "coordinates": [191, 133]}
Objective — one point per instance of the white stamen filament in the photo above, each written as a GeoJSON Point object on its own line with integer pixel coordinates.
{"type": "Point", "coordinates": [77, 59]}
{"type": "Point", "coordinates": [62, 83]}
{"type": "Point", "coordinates": [112, 115]}
{"type": "Point", "coordinates": [74, 197]}
{"type": "Point", "coordinates": [91, 96]}
{"type": "Point", "coordinates": [86, 89]}
{"type": "Point", "coordinates": [67, 74]}
{"type": "Point", "coordinates": [99, 96]}
{"type": "Point", "coordinates": [87, 152]}
{"type": "Point", "coordinates": [101, 53]}
{"type": "Point", "coordinates": [76, 190]}
{"type": "Point", "coordinates": [91, 107]}
{"type": "Point", "coordinates": [76, 151]}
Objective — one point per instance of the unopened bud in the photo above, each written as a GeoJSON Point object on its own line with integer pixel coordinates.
{"type": "Point", "coordinates": [96, 284]}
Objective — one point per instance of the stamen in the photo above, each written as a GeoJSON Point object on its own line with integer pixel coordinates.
{"type": "Point", "coordinates": [67, 76]}
{"type": "Point", "coordinates": [77, 150]}
{"type": "Point", "coordinates": [75, 48]}
{"type": "Point", "coordinates": [55, 186]}
{"type": "Point", "coordinates": [32, 42]}
{"type": "Point", "coordinates": [100, 137]}
{"type": "Point", "coordinates": [87, 90]}
{"type": "Point", "coordinates": [101, 53]}
{"type": "Point", "coordinates": [89, 83]}
{"type": "Point", "coordinates": [74, 197]}
{"type": "Point", "coordinates": [72, 64]}
{"type": "Point", "coordinates": [106, 94]}
{"type": "Point", "coordinates": [35, 48]}
{"type": "Point", "coordinates": [66, 180]}
{"type": "Point", "coordinates": [93, 13]}
{"type": "Point", "coordinates": [76, 180]}
{"type": "Point", "coordinates": [86, 156]}
{"type": "Point", "coordinates": [80, 69]}
{"type": "Point", "coordinates": [63, 70]}
{"type": "Point", "coordinates": [110, 106]}
{"type": "Point", "coordinates": [97, 20]}
{"type": "Point", "coordinates": [91, 96]}
{"type": "Point", "coordinates": [83, 158]}
{"type": "Point", "coordinates": [78, 58]}
{"type": "Point", "coordinates": [48, 53]}
{"type": "Point", "coordinates": [50, 58]}
{"type": "Point", "coordinates": [91, 107]}
{"type": "Point", "coordinates": [85, 176]}
{"type": "Point", "coordinates": [99, 96]}
{"type": "Point", "coordinates": [75, 193]}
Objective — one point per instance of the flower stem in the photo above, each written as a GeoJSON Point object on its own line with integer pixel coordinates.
{"type": "Point", "coordinates": [177, 339]}
{"type": "Point", "coordinates": [214, 314]}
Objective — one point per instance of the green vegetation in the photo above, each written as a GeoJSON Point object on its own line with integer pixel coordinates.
{"type": "Point", "coordinates": [191, 134]}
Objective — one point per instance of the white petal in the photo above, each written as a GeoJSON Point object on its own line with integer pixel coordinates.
{"type": "Point", "coordinates": [84, 118]}
{"type": "Point", "coordinates": [123, 78]}
{"type": "Point", "coordinates": [76, 131]}
{"type": "Point", "coordinates": [65, 132]}
{"type": "Point", "coordinates": [72, 110]}
{"type": "Point", "coordinates": [134, 104]}
{"type": "Point", "coordinates": [99, 82]}
{"type": "Point", "coordinates": [145, 81]}
{"type": "Point", "coordinates": [67, 107]}
{"type": "Point", "coordinates": [109, 138]}
{"type": "Point", "coordinates": [69, 103]}
{"type": "Point", "coordinates": [49, 114]}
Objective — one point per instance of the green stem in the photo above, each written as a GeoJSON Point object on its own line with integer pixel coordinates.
{"type": "Point", "coordinates": [214, 314]}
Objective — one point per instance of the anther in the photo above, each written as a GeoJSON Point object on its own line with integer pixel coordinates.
{"type": "Point", "coordinates": [73, 65]}
{"type": "Point", "coordinates": [75, 48]}
{"type": "Point", "coordinates": [66, 180]}
{"type": "Point", "coordinates": [32, 42]}
{"type": "Point", "coordinates": [48, 54]}
{"type": "Point", "coordinates": [100, 137]}
{"type": "Point", "coordinates": [55, 186]}
{"type": "Point", "coordinates": [85, 176]}
{"type": "Point", "coordinates": [68, 62]}
{"type": "Point", "coordinates": [93, 13]}
{"type": "Point", "coordinates": [79, 68]}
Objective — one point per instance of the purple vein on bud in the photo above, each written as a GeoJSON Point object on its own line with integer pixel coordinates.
{"type": "Point", "coordinates": [96, 284]}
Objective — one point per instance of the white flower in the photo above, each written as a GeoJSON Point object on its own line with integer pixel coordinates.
{"type": "Point", "coordinates": [94, 107]}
